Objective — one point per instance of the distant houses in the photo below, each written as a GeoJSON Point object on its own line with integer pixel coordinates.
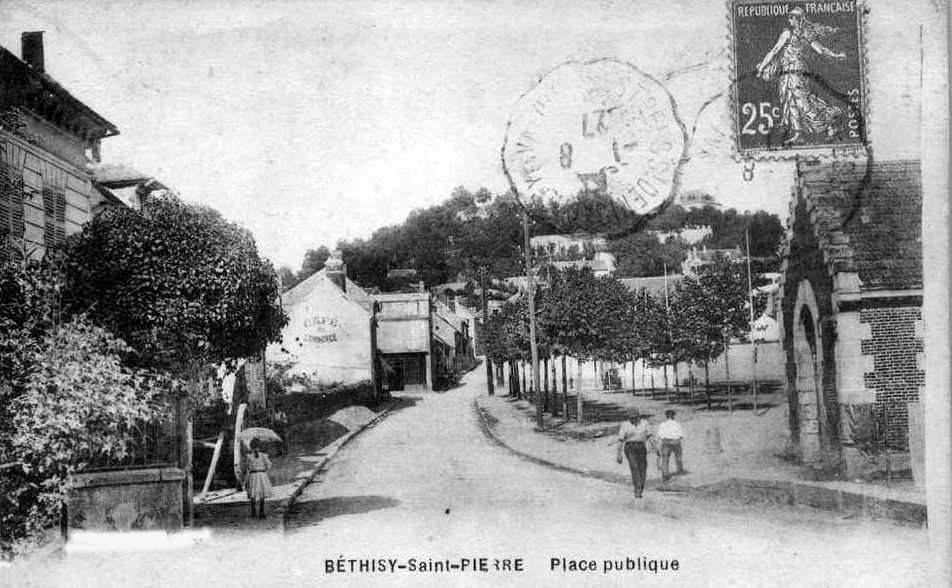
{"type": "Point", "coordinates": [576, 250]}
{"type": "Point", "coordinates": [339, 333]}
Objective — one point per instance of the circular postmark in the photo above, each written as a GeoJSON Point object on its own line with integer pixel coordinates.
{"type": "Point", "coordinates": [595, 127]}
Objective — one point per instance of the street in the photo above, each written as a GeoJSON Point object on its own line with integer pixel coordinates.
{"type": "Point", "coordinates": [426, 485]}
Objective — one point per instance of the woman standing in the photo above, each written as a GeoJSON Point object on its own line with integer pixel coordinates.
{"type": "Point", "coordinates": [632, 442]}
{"type": "Point", "coordinates": [803, 111]}
{"type": "Point", "coordinates": [257, 484]}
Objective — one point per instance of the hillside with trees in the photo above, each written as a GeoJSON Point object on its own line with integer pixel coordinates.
{"type": "Point", "coordinates": [474, 234]}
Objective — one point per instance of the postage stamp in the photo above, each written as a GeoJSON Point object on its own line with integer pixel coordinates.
{"type": "Point", "coordinates": [799, 77]}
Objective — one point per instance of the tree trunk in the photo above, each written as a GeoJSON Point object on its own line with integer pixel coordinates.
{"type": "Point", "coordinates": [707, 384]}
{"type": "Point", "coordinates": [667, 389]}
{"type": "Point", "coordinates": [634, 387]}
{"type": "Point", "coordinates": [691, 382]}
{"type": "Point", "coordinates": [565, 388]}
{"type": "Point", "coordinates": [727, 371]}
{"type": "Point", "coordinates": [522, 373]}
{"type": "Point", "coordinates": [184, 425]}
{"type": "Point", "coordinates": [677, 384]}
{"type": "Point", "coordinates": [545, 395]}
{"type": "Point", "coordinates": [578, 390]}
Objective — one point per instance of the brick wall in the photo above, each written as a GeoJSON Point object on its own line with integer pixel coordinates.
{"type": "Point", "coordinates": [896, 376]}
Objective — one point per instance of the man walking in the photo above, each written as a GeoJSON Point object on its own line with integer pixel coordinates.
{"type": "Point", "coordinates": [670, 434]}
{"type": "Point", "coordinates": [632, 438]}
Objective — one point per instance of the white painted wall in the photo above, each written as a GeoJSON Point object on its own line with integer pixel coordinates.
{"type": "Point", "coordinates": [327, 337]}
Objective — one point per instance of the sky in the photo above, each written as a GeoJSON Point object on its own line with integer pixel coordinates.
{"type": "Point", "coordinates": [310, 122]}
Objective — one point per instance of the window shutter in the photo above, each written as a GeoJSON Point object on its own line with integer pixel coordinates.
{"type": "Point", "coordinates": [49, 216]}
{"type": "Point", "coordinates": [6, 201]}
{"type": "Point", "coordinates": [17, 227]}
{"type": "Point", "coordinates": [60, 216]}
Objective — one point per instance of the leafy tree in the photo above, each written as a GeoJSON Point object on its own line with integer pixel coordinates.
{"type": "Point", "coordinates": [660, 347]}
{"type": "Point", "coordinates": [586, 317]}
{"type": "Point", "coordinates": [314, 261]}
{"type": "Point", "coordinates": [643, 254]}
{"type": "Point", "coordinates": [287, 278]}
{"type": "Point", "coordinates": [712, 309]}
{"type": "Point", "coordinates": [181, 285]}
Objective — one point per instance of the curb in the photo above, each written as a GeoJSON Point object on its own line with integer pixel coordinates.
{"type": "Point", "coordinates": [330, 452]}
{"type": "Point", "coordinates": [788, 493]}
{"type": "Point", "coordinates": [776, 492]}
{"type": "Point", "coordinates": [483, 417]}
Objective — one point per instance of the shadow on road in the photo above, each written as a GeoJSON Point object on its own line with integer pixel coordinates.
{"type": "Point", "coordinates": [303, 514]}
{"type": "Point", "coordinates": [404, 401]}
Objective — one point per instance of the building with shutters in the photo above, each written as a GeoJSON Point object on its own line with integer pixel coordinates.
{"type": "Point", "coordinates": [851, 311]}
{"type": "Point", "coordinates": [48, 138]}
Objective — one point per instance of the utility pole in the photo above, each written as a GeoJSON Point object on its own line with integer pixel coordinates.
{"type": "Point", "coordinates": [533, 346]}
{"type": "Point", "coordinates": [750, 303]}
{"type": "Point", "coordinates": [490, 385]}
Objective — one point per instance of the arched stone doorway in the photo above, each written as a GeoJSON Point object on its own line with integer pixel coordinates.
{"type": "Point", "coordinates": [808, 356]}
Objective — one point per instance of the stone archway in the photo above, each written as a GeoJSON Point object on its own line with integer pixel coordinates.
{"type": "Point", "coordinates": [808, 360]}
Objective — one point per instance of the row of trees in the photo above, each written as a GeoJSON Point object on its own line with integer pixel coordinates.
{"type": "Point", "coordinates": [111, 333]}
{"type": "Point", "coordinates": [445, 242]}
{"type": "Point", "coordinates": [599, 319]}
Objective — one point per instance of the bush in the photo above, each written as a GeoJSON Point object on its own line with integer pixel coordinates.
{"type": "Point", "coordinates": [75, 406]}
{"type": "Point", "coordinates": [294, 398]}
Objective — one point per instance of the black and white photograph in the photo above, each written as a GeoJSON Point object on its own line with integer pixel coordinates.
{"type": "Point", "coordinates": [474, 293]}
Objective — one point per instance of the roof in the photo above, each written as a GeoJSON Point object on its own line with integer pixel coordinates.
{"type": "Point", "coordinates": [867, 222]}
{"type": "Point", "coordinates": [25, 87]}
{"type": "Point", "coordinates": [299, 292]}
{"type": "Point", "coordinates": [653, 284]}
{"type": "Point", "coordinates": [594, 264]}
{"type": "Point", "coordinates": [116, 173]}
{"type": "Point", "coordinates": [401, 296]}
{"type": "Point", "coordinates": [401, 273]}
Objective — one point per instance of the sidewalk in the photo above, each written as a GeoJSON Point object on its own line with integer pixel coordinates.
{"type": "Point", "coordinates": [231, 508]}
{"type": "Point", "coordinates": [746, 470]}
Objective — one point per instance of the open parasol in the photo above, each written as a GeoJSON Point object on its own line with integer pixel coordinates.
{"type": "Point", "coordinates": [262, 434]}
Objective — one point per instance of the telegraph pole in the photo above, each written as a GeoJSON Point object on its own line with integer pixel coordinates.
{"type": "Point", "coordinates": [490, 385]}
{"type": "Point", "coordinates": [750, 301]}
{"type": "Point", "coordinates": [533, 346]}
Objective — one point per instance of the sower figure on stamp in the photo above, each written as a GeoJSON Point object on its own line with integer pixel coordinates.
{"type": "Point", "coordinates": [632, 442]}
{"type": "Point", "coordinates": [787, 65]}
{"type": "Point", "coordinates": [670, 435]}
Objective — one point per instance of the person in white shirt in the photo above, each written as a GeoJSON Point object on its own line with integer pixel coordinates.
{"type": "Point", "coordinates": [632, 438]}
{"type": "Point", "coordinates": [670, 434]}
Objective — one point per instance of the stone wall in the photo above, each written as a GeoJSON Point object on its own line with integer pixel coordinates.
{"type": "Point", "coordinates": [804, 261]}
{"type": "Point", "coordinates": [124, 500]}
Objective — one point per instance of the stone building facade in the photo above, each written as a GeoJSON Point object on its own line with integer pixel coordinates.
{"type": "Point", "coordinates": [851, 318]}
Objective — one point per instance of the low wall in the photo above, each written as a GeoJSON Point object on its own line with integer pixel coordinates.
{"type": "Point", "coordinates": [123, 500]}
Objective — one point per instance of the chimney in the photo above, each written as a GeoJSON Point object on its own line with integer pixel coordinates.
{"type": "Point", "coordinates": [31, 44]}
{"type": "Point", "coordinates": [336, 271]}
